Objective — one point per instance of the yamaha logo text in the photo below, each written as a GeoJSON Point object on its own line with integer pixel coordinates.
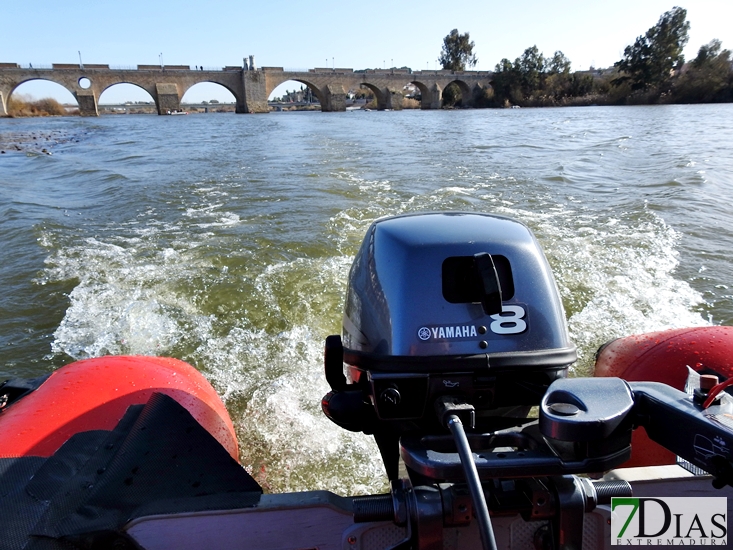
{"type": "Point", "coordinates": [442, 333]}
{"type": "Point", "coordinates": [511, 320]}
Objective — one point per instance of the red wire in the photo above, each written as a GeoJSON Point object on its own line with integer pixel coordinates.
{"type": "Point", "coordinates": [715, 391]}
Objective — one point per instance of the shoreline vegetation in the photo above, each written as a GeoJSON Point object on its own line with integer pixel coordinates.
{"type": "Point", "coordinates": [25, 106]}
{"type": "Point", "coordinates": [652, 72]}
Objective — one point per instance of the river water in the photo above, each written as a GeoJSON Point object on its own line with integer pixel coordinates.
{"type": "Point", "coordinates": [225, 240]}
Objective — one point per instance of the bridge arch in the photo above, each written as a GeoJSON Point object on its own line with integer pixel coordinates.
{"type": "Point", "coordinates": [36, 96]}
{"type": "Point", "coordinates": [186, 88]}
{"type": "Point", "coordinates": [56, 81]}
{"type": "Point", "coordinates": [430, 95]}
{"type": "Point", "coordinates": [425, 94]}
{"type": "Point", "coordinates": [449, 94]}
{"type": "Point", "coordinates": [387, 98]}
{"type": "Point", "coordinates": [465, 88]}
{"type": "Point", "coordinates": [166, 96]}
{"type": "Point", "coordinates": [126, 92]}
{"type": "Point", "coordinates": [216, 96]}
{"type": "Point", "coordinates": [320, 94]}
{"type": "Point", "coordinates": [108, 86]}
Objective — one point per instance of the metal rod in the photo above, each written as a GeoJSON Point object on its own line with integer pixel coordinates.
{"type": "Point", "coordinates": [474, 483]}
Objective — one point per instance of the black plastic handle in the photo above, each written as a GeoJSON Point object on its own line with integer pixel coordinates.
{"type": "Point", "coordinates": [489, 283]}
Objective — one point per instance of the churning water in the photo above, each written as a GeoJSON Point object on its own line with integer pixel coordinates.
{"type": "Point", "coordinates": [225, 241]}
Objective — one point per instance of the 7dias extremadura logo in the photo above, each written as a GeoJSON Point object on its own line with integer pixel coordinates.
{"type": "Point", "coordinates": [678, 521]}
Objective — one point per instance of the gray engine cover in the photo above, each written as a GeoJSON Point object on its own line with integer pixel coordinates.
{"type": "Point", "coordinates": [396, 307]}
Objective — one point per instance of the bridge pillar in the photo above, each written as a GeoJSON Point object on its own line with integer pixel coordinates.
{"type": "Point", "coordinates": [476, 96]}
{"type": "Point", "coordinates": [3, 109]}
{"type": "Point", "coordinates": [87, 103]}
{"type": "Point", "coordinates": [255, 92]}
{"type": "Point", "coordinates": [476, 93]}
{"type": "Point", "coordinates": [433, 99]}
{"type": "Point", "coordinates": [335, 98]}
{"type": "Point", "coordinates": [390, 99]}
{"type": "Point", "coordinates": [168, 98]}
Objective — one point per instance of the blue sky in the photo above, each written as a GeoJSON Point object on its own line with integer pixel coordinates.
{"type": "Point", "coordinates": [300, 35]}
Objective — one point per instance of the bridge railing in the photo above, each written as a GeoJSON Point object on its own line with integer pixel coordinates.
{"type": "Point", "coordinates": [316, 70]}
{"type": "Point", "coordinates": [75, 66]}
{"type": "Point", "coordinates": [35, 66]}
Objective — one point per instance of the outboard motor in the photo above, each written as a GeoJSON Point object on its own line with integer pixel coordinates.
{"type": "Point", "coordinates": [456, 306]}
{"type": "Point", "coordinates": [453, 320]}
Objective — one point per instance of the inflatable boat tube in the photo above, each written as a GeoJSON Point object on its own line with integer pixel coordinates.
{"type": "Point", "coordinates": [664, 356]}
{"type": "Point", "coordinates": [94, 394]}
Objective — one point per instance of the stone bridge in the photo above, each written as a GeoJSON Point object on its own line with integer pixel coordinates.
{"type": "Point", "coordinates": [250, 88]}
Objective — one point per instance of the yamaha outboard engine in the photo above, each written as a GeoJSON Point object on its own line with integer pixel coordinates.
{"type": "Point", "coordinates": [445, 306]}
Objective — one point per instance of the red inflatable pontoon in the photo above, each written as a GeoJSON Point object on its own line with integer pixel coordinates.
{"type": "Point", "coordinates": [94, 395]}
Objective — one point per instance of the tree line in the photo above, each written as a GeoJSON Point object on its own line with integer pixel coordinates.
{"type": "Point", "coordinates": [653, 70]}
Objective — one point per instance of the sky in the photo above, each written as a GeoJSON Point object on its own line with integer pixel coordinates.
{"type": "Point", "coordinates": [300, 35]}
